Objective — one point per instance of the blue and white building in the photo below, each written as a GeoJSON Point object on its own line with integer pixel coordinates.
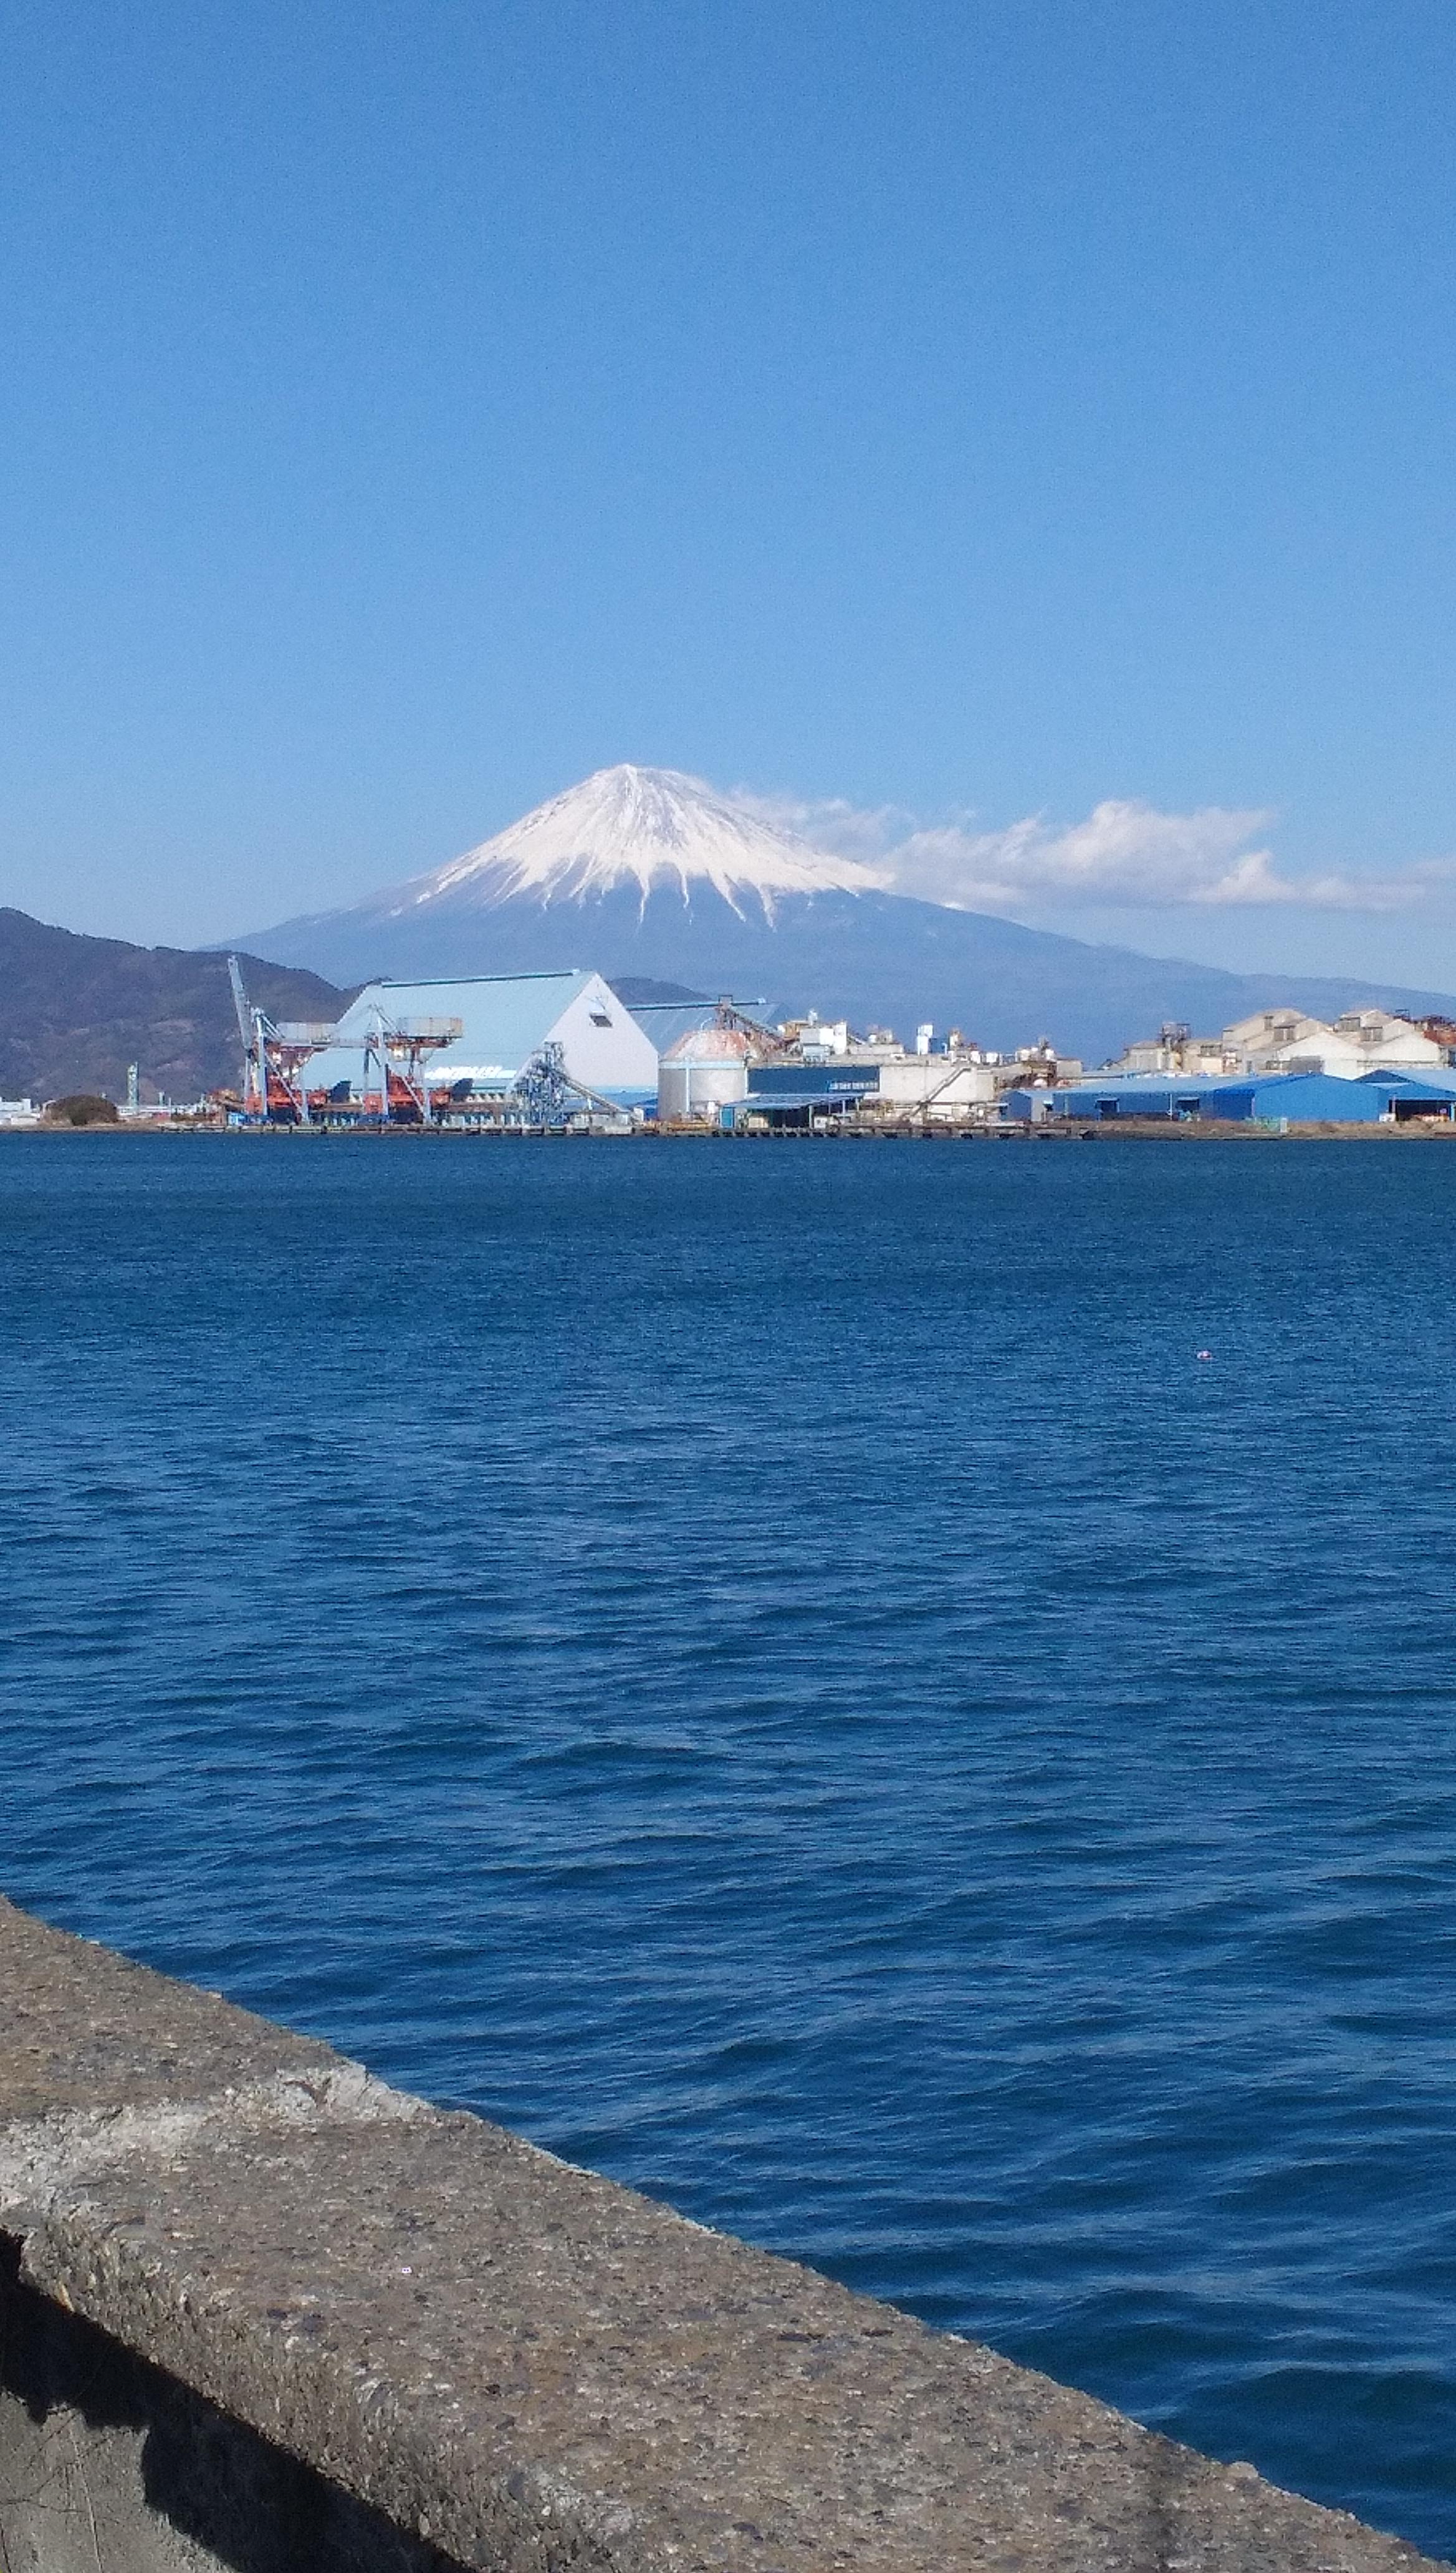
{"type": "Point", "coordinates": [505, 1020]}
{"type": "Point", "coordinates": [1314, 1098]}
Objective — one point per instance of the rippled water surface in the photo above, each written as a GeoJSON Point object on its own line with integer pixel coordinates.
{"type": "Point", "coordinates": [778, 1670]}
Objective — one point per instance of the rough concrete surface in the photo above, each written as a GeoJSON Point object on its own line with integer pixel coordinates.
{"type": "Point", "coordinates": [108, 2465]}
{"type": "Point", "coordinates": [493, 2360]}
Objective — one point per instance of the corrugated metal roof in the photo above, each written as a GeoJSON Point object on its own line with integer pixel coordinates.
{"type": "Point", "coordinates": [1152, 1091]}
{"type": "Point", "coordinates": [1322, 1098]}
{"type": "Point", "coordinates": [1441, 1083]}
{"type": "Point", "coordinates": [505, 1018]}
{"type": "Point", "coordinates": [1228, 1094]}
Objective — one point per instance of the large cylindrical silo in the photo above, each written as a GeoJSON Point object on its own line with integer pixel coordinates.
{"type": "Point", "coordinates": [704, 1071]}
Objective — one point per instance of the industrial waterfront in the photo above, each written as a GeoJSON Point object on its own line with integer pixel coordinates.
{"type": "Point", "coordinates": [547, 1051]}
{"type": "Point", "coordinates": [565, 1053]}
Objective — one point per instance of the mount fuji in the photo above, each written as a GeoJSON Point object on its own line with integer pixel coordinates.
{"type": "Point", "coordinates": [650, 876]}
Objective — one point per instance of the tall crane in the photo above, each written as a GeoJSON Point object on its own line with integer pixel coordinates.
{"type": "Point", "coordinates": [399, 1050]}
{"type": "Point", "coordinates": [248, 1031]}
{"type": "Point", "coordinates": [274, 1056]}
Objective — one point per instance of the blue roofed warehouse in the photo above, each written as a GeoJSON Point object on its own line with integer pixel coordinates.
{"type": "Point", "coordinates": [1314, 1098]}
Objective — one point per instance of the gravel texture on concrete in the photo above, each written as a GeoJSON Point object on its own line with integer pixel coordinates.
{"type": "Point", "coordinates": [522, 2365]}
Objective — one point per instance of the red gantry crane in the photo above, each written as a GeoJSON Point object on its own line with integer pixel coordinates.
{"type": "Point", "coordinates": [399, 1050]}
{"type": "Point", "coordinates": [274, 1055]}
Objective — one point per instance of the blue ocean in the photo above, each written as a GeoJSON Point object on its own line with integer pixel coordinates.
{"type": "Point", "coordinates": [778, 1670]}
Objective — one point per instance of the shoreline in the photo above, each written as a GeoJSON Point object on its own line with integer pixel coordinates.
{"type": "Point", "coordinates": [1127, 1130]}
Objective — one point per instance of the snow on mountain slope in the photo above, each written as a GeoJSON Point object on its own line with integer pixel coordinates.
{"type": "Point", "coordinates": [649, 873]}
{"type": "Point", "coordinates": [650, 826]}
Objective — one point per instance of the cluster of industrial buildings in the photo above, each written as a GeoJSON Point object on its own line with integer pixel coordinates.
{"type": "Point", "coordinates": [566, 1049]}
{"type": "Point", "coordinates": [563, 1051]}
{"type": "Point", "coordinates": [1278, 1066]}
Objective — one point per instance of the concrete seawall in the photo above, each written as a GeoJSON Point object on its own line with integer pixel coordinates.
{"type": "Point", "coordinates": [257, 2310]}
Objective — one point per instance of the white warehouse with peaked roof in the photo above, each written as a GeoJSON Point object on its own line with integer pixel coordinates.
{"type": "Point", "coordinates": [505, 1020]}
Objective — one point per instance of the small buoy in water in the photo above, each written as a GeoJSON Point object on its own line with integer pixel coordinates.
{"type": "Point", "coordinates": [1204, 1353]}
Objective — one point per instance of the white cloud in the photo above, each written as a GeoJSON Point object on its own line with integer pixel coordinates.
{"type": "Point", "coordinates": [1125, 854]}
{"type": "Point", "coordinates": [831, 822]}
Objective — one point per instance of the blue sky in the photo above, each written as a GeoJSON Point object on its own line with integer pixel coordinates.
{"type": "Point", "coordinates": [953, 422]}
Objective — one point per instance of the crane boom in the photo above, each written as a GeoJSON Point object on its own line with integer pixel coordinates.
{"type": "Point", "coordinates": [239, 1002]}
{"type": "Point", "coordinates": [250, 1029]}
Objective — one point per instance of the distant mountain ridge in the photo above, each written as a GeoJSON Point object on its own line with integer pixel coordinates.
{"type": "Point", "coordinates": [649, 875]}
{"type": "Point", "coordinates": [74, 1011]}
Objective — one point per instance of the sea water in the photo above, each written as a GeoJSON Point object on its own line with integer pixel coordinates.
{"type": "Point", "coordinates": [781, 1671]}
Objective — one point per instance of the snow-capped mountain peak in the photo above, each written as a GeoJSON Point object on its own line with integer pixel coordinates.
{"type": "Point", "coordinates": [653, 827]}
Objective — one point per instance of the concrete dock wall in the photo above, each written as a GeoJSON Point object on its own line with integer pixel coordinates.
{"type": "Point", "coordinates": [260, 2311]}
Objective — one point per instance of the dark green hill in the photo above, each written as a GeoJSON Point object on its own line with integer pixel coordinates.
{"type": "Point", "coordinates": [74, 1011]}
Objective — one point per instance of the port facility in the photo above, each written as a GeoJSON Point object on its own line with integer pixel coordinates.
{"type": "Point", "coordinates": [1314, 1098]}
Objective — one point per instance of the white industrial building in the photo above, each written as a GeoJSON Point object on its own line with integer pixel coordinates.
{"type": "Point", "coordinates": [505, 1020]}
{"type": "Point", "coordinates": [1359, 1041]}
{"type": "Point", "coordinates": [1174, 1051]}
{"type": "Point", "coordinates": [940, 1085]}
{"type": "Point", "coordinates": [1289, 1040]}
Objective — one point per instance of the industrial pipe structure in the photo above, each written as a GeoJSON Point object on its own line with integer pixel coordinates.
{"type": "Point", "coordinates": [549, 1092]}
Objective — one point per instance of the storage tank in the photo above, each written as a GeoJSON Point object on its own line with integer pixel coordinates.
{"type": "Point", "coordinates": [703, 1072]}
